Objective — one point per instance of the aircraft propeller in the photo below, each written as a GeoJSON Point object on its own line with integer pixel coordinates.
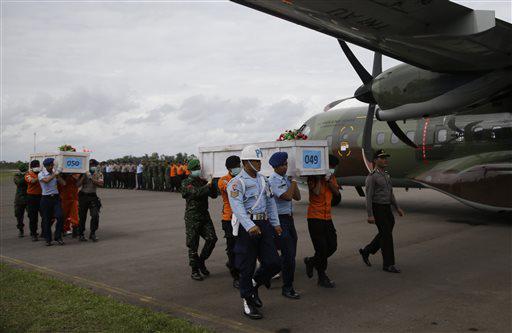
{"type": "Point", "coordinates": [364, 94]}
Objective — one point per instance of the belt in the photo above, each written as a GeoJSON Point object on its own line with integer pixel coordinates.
{"type": "Point", "coordinates": [287, 215]}
{"type": "Point", "coordinates": [258, 217]}
{"type": "Point", "coordinates": [51, 195]}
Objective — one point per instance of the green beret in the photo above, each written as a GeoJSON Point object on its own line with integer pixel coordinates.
{"type": "Point", "coordinates": [194, 165]}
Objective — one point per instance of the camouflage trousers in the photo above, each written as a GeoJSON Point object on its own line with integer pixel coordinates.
{"type": "Point", "coordinates": [19, 213]}
{"type": "Point", "coordinates": [196, 227]}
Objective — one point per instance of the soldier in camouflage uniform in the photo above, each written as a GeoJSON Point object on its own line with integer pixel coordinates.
{"type": "Point", "coordinates": [159, 176]}
{"type": "Point", "coordinates": [198, 223]}
{"type": "Point", "coordinates": [20, 199]}
{"type": "Point", "coordinates": [167, 176]}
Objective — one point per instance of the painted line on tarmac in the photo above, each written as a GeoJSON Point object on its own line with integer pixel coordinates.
{"type": "Point", "coordinates": [173, 307]}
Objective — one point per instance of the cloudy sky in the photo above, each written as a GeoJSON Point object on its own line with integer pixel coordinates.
{"type": "Point", "coordinates": [124, 78]}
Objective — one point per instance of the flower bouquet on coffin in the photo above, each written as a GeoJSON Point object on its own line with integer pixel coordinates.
{"type": "Point", "coordinates": [292, 135]}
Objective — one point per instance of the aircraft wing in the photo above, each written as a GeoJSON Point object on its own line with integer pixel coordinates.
{"type": "Point", "coordinates": [437, 35]}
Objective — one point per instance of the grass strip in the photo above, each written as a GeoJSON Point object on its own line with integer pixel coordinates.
{"type": "Point", "coordinates": [33, 302]}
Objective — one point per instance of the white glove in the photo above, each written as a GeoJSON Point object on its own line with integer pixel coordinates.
{"type": "Point", "coordinates": [328, 176]}
{"type": "Point", "coordinates": [87, 173]}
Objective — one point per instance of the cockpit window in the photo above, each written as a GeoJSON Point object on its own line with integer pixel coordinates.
{"type": "Point", "coordinates": [305, 129]}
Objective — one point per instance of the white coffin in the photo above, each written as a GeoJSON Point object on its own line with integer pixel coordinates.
{"type": "Point", "coordinates": [69, 161]}
{"type": "Point", "coordinates": [305, 157]}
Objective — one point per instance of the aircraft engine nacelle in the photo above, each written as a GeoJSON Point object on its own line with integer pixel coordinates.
{"type": "Point", "coordinates": [407, 92]}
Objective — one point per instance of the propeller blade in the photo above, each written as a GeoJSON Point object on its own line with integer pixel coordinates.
{"type": "Point", "coordinates": [360, 70]}
{"type": "Point", "coordinates": [333, 104]}
{"type": "Point", "coordinates": [367, 137]}
{"type": "Point", "coordinates": [400, 134]}
{"type": "Point", "coordinates": [377, 64]}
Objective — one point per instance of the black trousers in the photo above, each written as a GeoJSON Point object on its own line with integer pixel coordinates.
{"type": "Point", "coordinates": [385, 221]}
{"type": "Point", "coordinates": [230, 246]}
{"type": "Point", "coordinates": [19, 212]}
{"type": "Point", "coordinates": [51, 208]}
{"type": "Point", "coordinates": [325, 241]}
{"type": "Point", "coordinates": [86, 202]}
{"type": "Point", "coordinates": [33, 210]}
{"type": "Point", "coordinates": [139, 181]}
{"type": "Point", "coordinates": [288, 246]}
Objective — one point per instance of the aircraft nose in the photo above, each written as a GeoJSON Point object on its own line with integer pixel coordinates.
{"type": "Point", "coordinates": [364, 94]}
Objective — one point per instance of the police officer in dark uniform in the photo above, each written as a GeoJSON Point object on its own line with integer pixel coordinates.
{"type": "Point", "coordinates": [379, 199]}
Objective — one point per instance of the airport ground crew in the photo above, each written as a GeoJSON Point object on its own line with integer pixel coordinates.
{"type": "Point", "coordinates": [88, 200]}
{"type": "Point", "coordinates": [33, 198]}
{"type": "Point", "coordinates": [50, 201]}
{"type": "Point", "coordinates": [321, 229]}
{"type": "Point", "coordinates": [181, 173]}
{"type": "Point", "coordinates": [284, 191]}
{"type": "Point", "coordinates": [20, 199]}
{"type": "Point", "coordinates": [174, 174]}
{"type": "Point", "coordinates": [379, 199]}
{"type": "Point", "coordinates": [69, 201]}
{"type": "Point", "coordinates": [233, 166]}
{"type": "Point", "coordinates": [198, 223]}
{"type": "Point", "coordinates": [256, 222]}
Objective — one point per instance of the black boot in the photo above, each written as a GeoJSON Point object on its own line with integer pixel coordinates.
{"type": "Point", "coordinates": [196, 275]}
{"type": "Point", "coordinates": [324, 281]}
{"type": "Point", "coordinates": [35, 238]}
{"type": "Point", "coordinates": [21, 233]}
{"type": "Point", "coordinates": [250, 310]}
{"type": "Point", "coordinates": [93, 237]}
{"type": "Point", "coordinates": [74, 233]}
{"type": "Point", "coordinates": [236, 283]}
{"type": "Point", "coordinates": [309, 267]}
{"type": "Point", "coordinates": [366, 257]}
{"type": "Point", "coordinates": [82, 238]}
{"type": "Point", "coordinates": [203, 269]}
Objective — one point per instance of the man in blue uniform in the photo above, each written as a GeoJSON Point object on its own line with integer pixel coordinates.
{"type": "Point", "coordinates": [284, 191]}
{"type": "Point", "coordinates": [255, 223]}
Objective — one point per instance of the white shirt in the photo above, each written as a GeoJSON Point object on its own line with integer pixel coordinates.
{"type": "Point", "coordinates": [50, 187]}
{"type": "Point", "coordinates": [140, 168]}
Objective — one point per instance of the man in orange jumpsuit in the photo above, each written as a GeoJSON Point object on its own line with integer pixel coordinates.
{"type": "Point", "coordinates": [69, 203]}
{"type": "Point", "coordinates": [181, 175]}
{"type": "Point", "coordinates": [322, 189]}
{"type": "Point", "coordinates": [233, 166]}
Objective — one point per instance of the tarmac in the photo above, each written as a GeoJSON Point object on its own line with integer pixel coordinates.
{"type": "Point", "coordinates": [455, 261]}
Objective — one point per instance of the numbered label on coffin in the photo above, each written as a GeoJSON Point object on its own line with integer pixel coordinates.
{"type": "Point", "coordinates": [311, 159]}
{"type": "Point", "coordinates": [73, 162]}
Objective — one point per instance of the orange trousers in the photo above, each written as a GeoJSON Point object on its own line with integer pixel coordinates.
{"type": "Point", "coordinates": [70, 214]}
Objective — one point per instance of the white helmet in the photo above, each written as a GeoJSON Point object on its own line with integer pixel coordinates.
{"type": "Point", "coordinates": [251, 153]}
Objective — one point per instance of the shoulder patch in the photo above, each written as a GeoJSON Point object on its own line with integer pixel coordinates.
{"type": "Point", "coordinates": [234, 194]}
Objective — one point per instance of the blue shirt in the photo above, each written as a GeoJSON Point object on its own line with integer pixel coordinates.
{"type": "Point", "coordinates": [243, 196]}
{"type": "Point", "coordinates": [279, 185]}
{"type": "Point", "coordinates": [50, 187]}
{"type": "Point", "coordinates": [140, 168]}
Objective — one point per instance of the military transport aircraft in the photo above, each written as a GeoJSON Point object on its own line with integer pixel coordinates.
{"type": "Point", "coordinates": [452, 96]}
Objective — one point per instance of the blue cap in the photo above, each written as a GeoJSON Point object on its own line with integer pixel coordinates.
{"type": "Point", "coordinates": [47, 161]}
{"type": "Point", "coordinates": [278, 159]}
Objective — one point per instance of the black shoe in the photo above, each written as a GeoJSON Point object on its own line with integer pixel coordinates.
{"type": "Point", "coordinates": [196, 275]}
{"type": "Point", "coordinates": [236, 284]}
{"type": "Point", "coordinates": [366, 257]}
{"type": "Point", "coordinates": [21, 233]}
{"type": "Point", "coordinates": [326, 282]}
{"type": "Point", "coordinates": [93, 237]}
{"type": "Point", "coordinates": [74, 233]}
{"type": "Point", "coordinates": [309, 267]}
{"type": "Point", "coordinates": [391, 269]}
{"type": "Point", "coordinates": [60, 241]}
{"type": "Point", "coordinates": [35, 238]}
{"type": "Point", "coordinates": [49, 243]}
{"type": "Point", "coordinates": [82, 238]}
{"type": "Point", "coordinates": [203, 269]}
{"type": "Point", "coordinates": [291, 293]}
{"type": "Point", "coordinates": [256, 301]}
{"type": "Point", "coordinates": [250, 310]}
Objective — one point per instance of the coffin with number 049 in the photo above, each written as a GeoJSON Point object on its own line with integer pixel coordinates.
{"type": "Point", "coordinates": [65, 161]}
{"type": "Point", "coordinates": [305, 157]}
